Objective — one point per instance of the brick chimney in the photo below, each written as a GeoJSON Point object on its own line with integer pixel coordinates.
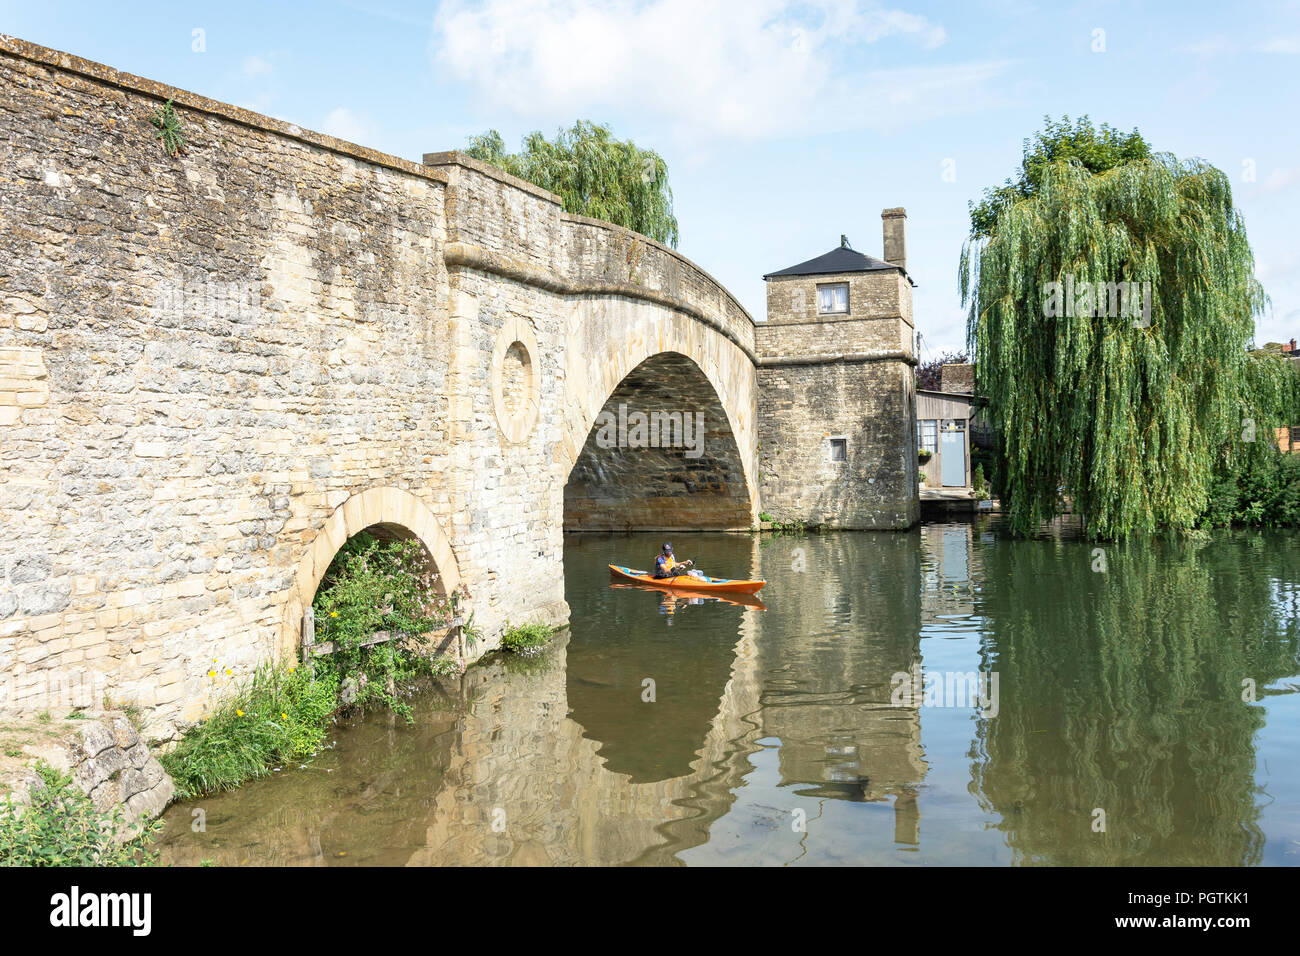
{"type": "Point", "coordinates": [894, 224]}
{"type": "Point", "coordinates": [1293, 345]}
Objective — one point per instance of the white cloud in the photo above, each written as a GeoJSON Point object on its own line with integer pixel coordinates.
{"type": "Point", "coordinates": [742, 71]}
{"type": "Point", "coordinates": [1289, 45]}
{"type": "Point", "coordinates": [254, 66]}
{"type": "Point", "coordinates": [1211, 46]}
{"type": "Point", "coordinates": [1277, 181]}
{"type": "Point", "coordinates": [1221, 45]}
{"type": "Point", "coordinates": [342, 123]}
{"type": "Point", "coordinates": [1280, 179]}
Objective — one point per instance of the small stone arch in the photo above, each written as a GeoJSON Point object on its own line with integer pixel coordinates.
{"type": "Point", "coordinates": [386, 506]}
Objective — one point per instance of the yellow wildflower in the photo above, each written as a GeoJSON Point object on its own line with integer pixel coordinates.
{"type": "Point", "coordinates": [334, 613]}
{"type": "Point", "coordinates": [239, 713]}
{"type": "Point", "coordinates": [212, 673]}
{"type": "Point", "coordinates": [284, 716]}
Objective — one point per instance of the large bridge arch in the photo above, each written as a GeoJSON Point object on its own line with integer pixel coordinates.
{"type": "Point", "coordinates": [609, 340]}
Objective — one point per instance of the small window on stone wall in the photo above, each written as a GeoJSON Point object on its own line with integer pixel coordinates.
{"type": "Point", "coordinates": [839, 449]}
{"type": "Point", "coordinates": [833, 298]}
{"type": "Point", "coordinates": [927, 435]}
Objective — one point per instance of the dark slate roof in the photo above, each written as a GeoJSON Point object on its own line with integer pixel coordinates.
{"type": "Point", "coordinates": [840, 259]}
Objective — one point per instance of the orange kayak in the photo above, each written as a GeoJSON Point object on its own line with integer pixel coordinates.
{"type": "Point", "coordinates": [686, 582]}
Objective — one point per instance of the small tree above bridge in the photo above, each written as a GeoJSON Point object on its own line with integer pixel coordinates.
{"type": "Point", "coordinates": [594, 175]}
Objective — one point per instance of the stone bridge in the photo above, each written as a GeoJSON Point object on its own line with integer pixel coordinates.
{"type": "Point", "coordinates": [218, 366]}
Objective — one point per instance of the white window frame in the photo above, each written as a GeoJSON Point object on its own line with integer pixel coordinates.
{"type": "Point", "coordinates": [829, 287]}
{"type": "Point", "coordinates": [933, 447]}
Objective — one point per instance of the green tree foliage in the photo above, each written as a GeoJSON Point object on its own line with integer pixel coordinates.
{"type": "Point", "coordinates": [1127, 416]}
{"type": "Point", "coordinates": [373, 585]}
{"type": "Point", "coordinates": [1263, 490]}
{"type": "Point", "coordinates": [1096, 149]}
{"type": "Point", "coordinates": [594, 175]}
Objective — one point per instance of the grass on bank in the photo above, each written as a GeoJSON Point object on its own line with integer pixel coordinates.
{"type": "Point", "coordinates": [282, 713]}
{"type": "Point", "coordinates": [526, 639]}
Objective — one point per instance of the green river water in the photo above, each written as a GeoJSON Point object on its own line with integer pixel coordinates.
{"type": "Point", "coordinates": [1139, 706]}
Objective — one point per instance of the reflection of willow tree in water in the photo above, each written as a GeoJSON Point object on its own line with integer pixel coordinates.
{"type": "Point", "coordinates": [1122, 690]}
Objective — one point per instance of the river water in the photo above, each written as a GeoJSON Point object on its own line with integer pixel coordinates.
{"type": "Point", "coordinates": [945, 696]}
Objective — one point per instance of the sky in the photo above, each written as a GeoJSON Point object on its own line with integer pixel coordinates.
{"type": "Point", "coordinates": [784, 125]}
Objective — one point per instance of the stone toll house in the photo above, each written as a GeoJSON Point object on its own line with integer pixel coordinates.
{"type": "Point", "coordinates": [215, 367]}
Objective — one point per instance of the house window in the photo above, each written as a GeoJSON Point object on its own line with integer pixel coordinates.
{"type": "Point", "coordinates": [839, 449]}
{"type": "Point", "coordinates": [833, 298]}
{"type": "Point", "coordinates": [927, 435]}
{"type": "Point", "coordinates": [1295, 435]}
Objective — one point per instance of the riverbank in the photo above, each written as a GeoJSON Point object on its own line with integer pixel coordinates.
{"type": "Point", "coordinates": [282, 714]}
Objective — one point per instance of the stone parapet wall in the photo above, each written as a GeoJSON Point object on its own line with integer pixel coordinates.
{"type": "Point", "coordinates": [522, 232]}
{"type": "Point", "coordinates": [600, 252]}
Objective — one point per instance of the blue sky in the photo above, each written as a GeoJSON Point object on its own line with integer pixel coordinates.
{"type": "Point", "coordinates": [784, 125]}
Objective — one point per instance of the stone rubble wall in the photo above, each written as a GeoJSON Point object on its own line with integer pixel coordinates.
{"type": "Point", "coordinates": [109, 761]}
{"type": "Point", "coordinates": [879, 318]}
{"type": "Point", "coordinates": [870, 404]}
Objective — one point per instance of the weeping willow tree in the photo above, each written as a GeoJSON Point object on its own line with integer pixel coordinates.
{"type": "Point", "coordinates": [1112, 297]}
{"type": "Point", "coordinates": [594, 174]}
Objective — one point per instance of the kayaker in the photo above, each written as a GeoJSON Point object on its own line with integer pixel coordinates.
{"type": "Point", "coordinates": [667, 566]}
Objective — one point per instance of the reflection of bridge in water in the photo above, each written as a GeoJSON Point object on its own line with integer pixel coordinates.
{"type": "Point", "coordinates": [631, 781]}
